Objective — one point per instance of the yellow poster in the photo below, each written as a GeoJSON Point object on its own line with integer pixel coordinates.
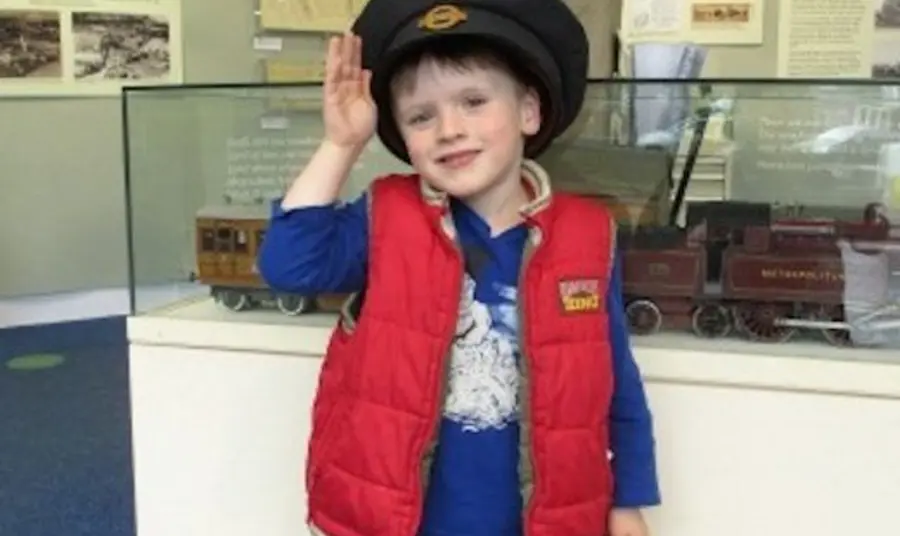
{"type": "Point", "coordinates": [88, 47]}
{"type": "Point", "coordinates": [308, 15]}
{"type": "Point", "coordinates": [284, 70]}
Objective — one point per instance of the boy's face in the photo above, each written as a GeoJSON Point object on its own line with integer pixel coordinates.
{"type": "Point", "coordinates": [464, 127]}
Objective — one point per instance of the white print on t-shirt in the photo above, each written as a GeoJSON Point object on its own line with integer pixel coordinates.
{"type": "Point", "coordinates": [484, 376]}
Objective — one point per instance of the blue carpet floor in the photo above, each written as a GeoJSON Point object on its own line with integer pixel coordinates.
{"type": "Point", "coordinates": [65, 448]}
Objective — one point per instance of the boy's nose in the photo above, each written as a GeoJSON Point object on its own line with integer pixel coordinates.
{"type": "Point", "coordinates": [450, 126]}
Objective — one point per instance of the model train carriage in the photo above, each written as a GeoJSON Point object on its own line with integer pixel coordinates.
{"type": "Point", "coordinates": [228, 242]}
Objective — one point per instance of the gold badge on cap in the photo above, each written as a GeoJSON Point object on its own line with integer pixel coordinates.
{"type": "Point", "coordinates": [442, 17]}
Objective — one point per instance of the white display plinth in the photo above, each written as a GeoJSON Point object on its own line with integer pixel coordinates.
{"type": "Point", "coordinates": [748, 445]}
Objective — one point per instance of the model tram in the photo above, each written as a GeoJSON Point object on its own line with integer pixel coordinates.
{"type": "Point", "coordinates": [228, 239]}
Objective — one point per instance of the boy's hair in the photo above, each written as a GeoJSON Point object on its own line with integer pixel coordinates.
{"type": "Point", "coordinates": [463, 53]}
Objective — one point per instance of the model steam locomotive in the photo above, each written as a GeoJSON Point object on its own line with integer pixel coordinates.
{"type": "Point", "coordinates": [734, 267]}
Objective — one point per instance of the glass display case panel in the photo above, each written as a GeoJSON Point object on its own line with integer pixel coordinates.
{"type": "Point", "coordinates": [776, 229]}
{"type": "Point", "coordinates": [204, 164]}
{"type": "Point", "coordinates": [757, 216]}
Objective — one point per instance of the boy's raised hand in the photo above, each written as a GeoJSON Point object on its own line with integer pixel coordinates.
{"type": "Point", "coordinates": [348, 109]}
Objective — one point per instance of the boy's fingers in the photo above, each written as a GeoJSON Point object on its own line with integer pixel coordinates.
{"type": "Point", "coordinates": [365, 84]}
{"type": "Point", "coordinates": [332, 65]}
{"type": "Point", "coordinates": [347, 56]}
{"type": "Point", "coordinates": [357, 52]}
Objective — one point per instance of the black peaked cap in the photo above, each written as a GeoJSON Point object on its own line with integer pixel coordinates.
{"type": "Point", "coordinates": [544, 36]}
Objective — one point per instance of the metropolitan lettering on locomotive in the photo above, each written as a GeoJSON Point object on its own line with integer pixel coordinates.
{"type": "Point", "coordinates": [801, 275]}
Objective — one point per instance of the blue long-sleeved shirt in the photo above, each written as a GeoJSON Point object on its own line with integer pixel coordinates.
{"type": "Point", "coordinates": [325, 248]}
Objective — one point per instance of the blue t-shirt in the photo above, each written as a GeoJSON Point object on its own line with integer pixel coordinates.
{"type": "Point", "coordinates": [474, 485]}
{"type": "Point", "coordinates": [479, 434]}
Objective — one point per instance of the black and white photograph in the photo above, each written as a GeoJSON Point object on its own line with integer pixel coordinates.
{"type": "Point", "coordinates": [29, 44]}
{"type": "Point", "coordinates": [887, 13]}
{"type": "Point", "coordinates": [886, 55]}
{"type": "Point", "coordinates": [116, 46]}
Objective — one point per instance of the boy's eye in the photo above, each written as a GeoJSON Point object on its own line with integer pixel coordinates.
{"type": "Point", "coordinates": [475, 101]}
{"type": "Point", "coordinates": [417, 119]}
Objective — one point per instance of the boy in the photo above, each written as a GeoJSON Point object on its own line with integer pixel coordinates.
{"type": "Point", "coordinates": [479, 382]}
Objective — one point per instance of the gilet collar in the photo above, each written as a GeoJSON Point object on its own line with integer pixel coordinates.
{"type": "Point", "coordinates": [532, 173]}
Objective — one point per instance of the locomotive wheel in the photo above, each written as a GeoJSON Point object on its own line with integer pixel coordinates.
{"type": "Point", "coordinates": [233, 299]}
{"type": "Point", "coordinates": [293, 304]}
{"type": "Point", "coordinates": [757, 322]}
{"type": "Point", "coordinates": [711, 320]}
{"type": "Point", "coordinates": [834, 313]}
{"type": "Point", "coordinates": [644, 317]}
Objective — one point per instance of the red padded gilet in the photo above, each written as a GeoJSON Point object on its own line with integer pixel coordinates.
{"type": "Point", "coordinates": [379, 400]}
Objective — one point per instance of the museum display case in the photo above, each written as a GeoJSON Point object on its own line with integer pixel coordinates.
{"type": "Point", "coordinates": [757, 216]}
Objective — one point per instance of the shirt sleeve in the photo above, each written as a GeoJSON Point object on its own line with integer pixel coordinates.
{"type": "Point", "coordinates": [631, 426]}
{"type": "Point", "coordinates": [316, 249]}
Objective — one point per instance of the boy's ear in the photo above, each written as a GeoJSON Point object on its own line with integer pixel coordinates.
{"type": "Point", "coordinates": [530, 111]}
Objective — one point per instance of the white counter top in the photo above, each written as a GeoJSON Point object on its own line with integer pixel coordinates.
{"type": "Point", "coordinates": [665, 358]}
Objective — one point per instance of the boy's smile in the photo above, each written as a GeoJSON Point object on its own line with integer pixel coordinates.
{"type": "Point", "coordinates": [460, 159]}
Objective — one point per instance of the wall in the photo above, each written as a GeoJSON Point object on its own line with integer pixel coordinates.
{"type": "Point", "coordinates": [733, 61]}
{"type": "Point", "coordinates": [62, 215]}
{"type": "Point", "coordinates": [746, 61]}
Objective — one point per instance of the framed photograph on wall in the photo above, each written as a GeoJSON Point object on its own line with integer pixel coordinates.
{"type": "Point", "coordinates": [67, 50]}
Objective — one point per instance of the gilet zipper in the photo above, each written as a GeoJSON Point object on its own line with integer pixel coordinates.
{"type": "Point", "coordinates": [534, 239]}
